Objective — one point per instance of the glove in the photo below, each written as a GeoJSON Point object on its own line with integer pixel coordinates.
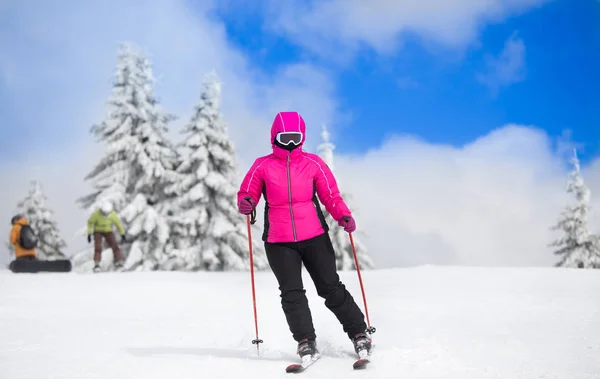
{"type": "Point", "coordinates": [246, 205]}
{"type": "Point", "coordinates": [123, 238]}
{"type": "Point", "coordinates": [348, 223]}
{"type": "Point", "coordinates": [89, 238]}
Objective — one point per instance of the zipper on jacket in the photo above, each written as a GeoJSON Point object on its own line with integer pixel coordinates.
{"type": "Point", "coordinates": [290, 196]}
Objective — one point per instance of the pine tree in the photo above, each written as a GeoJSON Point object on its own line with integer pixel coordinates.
{"type": "Point", "coordinates": [33, 207]}
{"type": "Point", "coordinates": [152, 170]}
{"type": "Point", "coordinates": [578, 247]}
{"type": "Point", "coordinates": [111, 175]}
{"type": "Point", "coordinates": [209, 233]}
{"type": "Point", "coordinates": [339, 237]}
{"type": "Point", "coordinates": [139, 162]}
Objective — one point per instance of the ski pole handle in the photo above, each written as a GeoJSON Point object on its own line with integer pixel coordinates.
{"type": "Point", "coordinates": [252, 218]}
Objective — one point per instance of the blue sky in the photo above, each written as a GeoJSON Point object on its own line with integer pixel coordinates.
{"type": "Point", "coordinates": [422, 89]}
{"type": "Point", "coordinates": [436, 96]}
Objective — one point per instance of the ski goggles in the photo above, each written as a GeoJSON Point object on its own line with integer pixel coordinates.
{"type": "Point", "coordinates": [286, 138]}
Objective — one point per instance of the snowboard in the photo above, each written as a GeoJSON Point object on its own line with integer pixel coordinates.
{"type": "Point", "coordinates": [30, 267]}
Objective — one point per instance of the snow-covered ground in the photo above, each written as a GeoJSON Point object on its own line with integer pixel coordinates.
{"type": "Point", "coordinates": [432, 322]}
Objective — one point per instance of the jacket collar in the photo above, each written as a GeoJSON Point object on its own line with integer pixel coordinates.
{"type": "Point", "coordinates": [283, 154]}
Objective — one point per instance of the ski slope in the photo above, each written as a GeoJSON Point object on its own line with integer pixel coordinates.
{"type": "Point", "coordinates": [432, 322]}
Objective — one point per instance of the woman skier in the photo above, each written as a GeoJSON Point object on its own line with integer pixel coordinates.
{"type": "Point", "coordinates": [296, 233]}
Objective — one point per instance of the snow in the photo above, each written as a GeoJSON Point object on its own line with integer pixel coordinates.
{"type": "Point", "coordinates": [432, 322]}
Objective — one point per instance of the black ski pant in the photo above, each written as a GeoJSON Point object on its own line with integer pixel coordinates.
{"type": "Point", "coordinates": [318, 256]}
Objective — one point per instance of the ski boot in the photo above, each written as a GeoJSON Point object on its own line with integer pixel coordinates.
{"type": "Point", "coordinates": [307, 350]}
{"type": "Point", "coordinates": [307, 347]}
{"type": "Point", "coordinates": [362, 345]}
{"type": "Point", "coordinates": [119, 265]}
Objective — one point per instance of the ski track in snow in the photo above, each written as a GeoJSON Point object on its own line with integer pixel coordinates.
{"type": "Point", "coordinates": [432, 322]}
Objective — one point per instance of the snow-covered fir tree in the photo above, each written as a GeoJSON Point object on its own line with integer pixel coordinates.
{"type": "Point", "coordinates": [578, 247]}
{"type": "Point", "coordinates": [139, 162]}
{"type": "Point", "coordinates": [111, 175]}
{"type": "Point", "coordinates": [339, 237]}
{"type": "Point", "coordinates": [207, 231]}
{"type": "Point", "coordinates": [35, 209]}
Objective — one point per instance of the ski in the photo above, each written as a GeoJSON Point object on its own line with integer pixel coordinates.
{"type": "Point", "coordinates": [361, 363]}
{"type": "Point", "coordinates": [307, 360]}
{"type": "Point", "coordinates": [364, 358]}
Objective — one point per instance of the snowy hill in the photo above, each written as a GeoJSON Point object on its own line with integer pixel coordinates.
{"type": "Point", "coordinates": [432, 322]}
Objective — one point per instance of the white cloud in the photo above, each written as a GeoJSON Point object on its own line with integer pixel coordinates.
{"type": "Point", "coordinates": [489, 202]}
{"type": "Point", "coordinates": [337, 28]}
{"type": "Point", "coordinates": [565, 144]}
{"type": "Point", "coordinates": [506, 68]}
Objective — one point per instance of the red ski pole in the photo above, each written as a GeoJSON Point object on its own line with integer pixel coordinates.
{"type": "Point", "coordinates": [249, 222]}
{"type": "Point", "coordinates": [370, 329]}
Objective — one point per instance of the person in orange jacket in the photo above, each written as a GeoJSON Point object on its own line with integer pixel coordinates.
{"type": "Point", "coordinates": [19, 223]}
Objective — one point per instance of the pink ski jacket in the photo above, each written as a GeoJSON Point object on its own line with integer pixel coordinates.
{"type": "Point", "coordinates": [290, 183]}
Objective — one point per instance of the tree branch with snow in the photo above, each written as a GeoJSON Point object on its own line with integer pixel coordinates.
{"type": "Point", "coordinates": [577, 247]}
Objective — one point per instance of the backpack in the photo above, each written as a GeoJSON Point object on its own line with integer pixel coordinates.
{"type": "Point", "coordinates": [27, 238]}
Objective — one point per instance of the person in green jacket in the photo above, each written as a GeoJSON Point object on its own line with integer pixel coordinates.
{"type": "Point", "coordinates": [100, 225]}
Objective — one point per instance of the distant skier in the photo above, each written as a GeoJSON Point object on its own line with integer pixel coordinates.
{"type": "Point", "coordinates": [23, 238]}
{"type": "Point", "coordinates": [295, 231]}
{"type": "Point", "coordinates": [100, 225]}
